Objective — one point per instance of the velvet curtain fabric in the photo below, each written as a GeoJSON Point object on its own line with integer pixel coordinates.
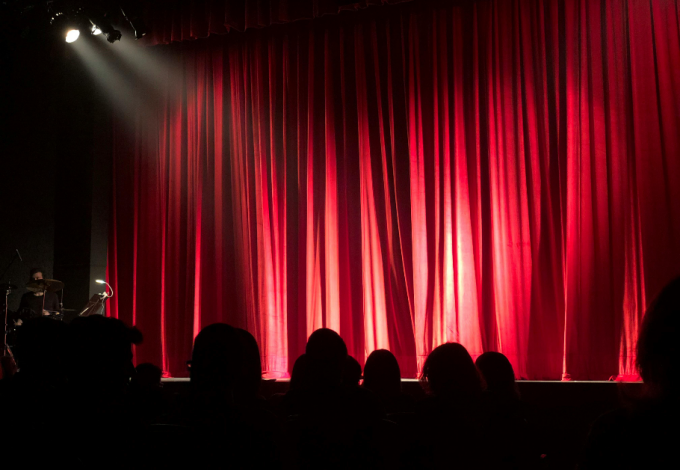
{"type": "Point", "coordinates": [504, 174]}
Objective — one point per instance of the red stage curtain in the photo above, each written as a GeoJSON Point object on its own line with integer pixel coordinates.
{"type": "Point", "coordinates": [180, 20]}
{"type": "Point", "coordinates": [505, 174]}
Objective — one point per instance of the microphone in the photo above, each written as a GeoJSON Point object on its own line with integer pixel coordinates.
{"type": "Point", "coordinates": [19, 254]}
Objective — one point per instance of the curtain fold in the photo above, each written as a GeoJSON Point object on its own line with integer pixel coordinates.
{"type": "Point", "coordinates": [504, 174]}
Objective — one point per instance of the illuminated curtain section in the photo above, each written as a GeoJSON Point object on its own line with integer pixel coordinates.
{"type": "Point", "coordinates": [503, 174]}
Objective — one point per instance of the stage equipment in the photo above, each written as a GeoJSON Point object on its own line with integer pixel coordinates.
{"type": "Point", "coordinates": [99, 281]}
{"type": "Point", "coordinates": [97, 302]}
{"type": "Point", "coordinates": [45, 285]}
{"type": "Point", "coordinates": [95, 306]}
{"type": "Point", "coordinates": [8, 287]}
{"type": "Point", "coordinates": [71, 18]}
{"type": "Point", "coordinates": [72, 35]}
{"type": "Point", "coordinates": [102, 25]}
{"type": "Point", "coordinates": [8, 290]}
{"type": "Point", "coordinates": [134, 19]}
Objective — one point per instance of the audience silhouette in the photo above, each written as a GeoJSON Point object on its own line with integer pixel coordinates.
{"type": "Point", "coordinates": [78, 380]}
{"type": "Point", "coordinates": [331, 424]}
{"type": "Point", "coordinates": [508, 436]}
{"type": "Point", "coordinates": [146, 393]}
{"type": "Point", "coordinates": [451, 416]}
{"type": "Point", "coordinates": [35, 396]}
{"type": "Point", "coordinates": [299, 376]}
{"type": "Point", "coordinates": [646, 433]}
{"type": "Point", "coordinates": [382, 376]}
{"type": "Point", "coordinates": [351, 374]}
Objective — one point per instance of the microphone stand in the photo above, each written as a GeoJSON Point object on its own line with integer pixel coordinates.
{"type": "Point", "coordinates": [5, 350]}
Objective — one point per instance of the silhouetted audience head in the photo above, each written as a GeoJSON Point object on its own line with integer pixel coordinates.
{"type": "Point", "coordinates": [217, 358]}
{"type": "Point", "coordinates": [299, 377]}
{"type": "Point", "coordinates": [351, 374]}
{"type": "Point", "coordinates": [326, 355]}
{"type": "Point", "coordinates": [382, 374]}
{"type": "Point", "coordinates": [449, 370]}
{"type": "Point", "coordinates": [497, 372]}
{"type": "Point", "coordinates": [147, 376]}
{"type": "Point", "coordinates": [658, 354]}
{"type": "Point", "coordinates": [251, 366]}
{"type": "Point", "coordinates": [101, 351]}
{"type": "Point", "coordinates": [40, 347]}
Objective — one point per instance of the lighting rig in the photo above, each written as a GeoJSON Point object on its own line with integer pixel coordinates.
{"type": "Point", "coordinates": [72, 18]}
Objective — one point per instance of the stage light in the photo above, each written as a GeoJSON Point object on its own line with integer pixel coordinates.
{"type": "Point", "coordinates": [113, 36]}
{"type": "Point", "coordinates": [72, 35]}
{"type": "Point", "coordinates": [101, 22]}
{"type": "Point", "coordinates": [99, 281]}
{"type": "Point", "coordinates": [67, 25]}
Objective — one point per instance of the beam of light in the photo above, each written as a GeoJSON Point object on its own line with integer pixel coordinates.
{"type": "Point", "coordinates": [121, 90]}
{"type": "Point", "coordinates": [72, 35]}
{"type": "Point", "coordinates": [152, 65]}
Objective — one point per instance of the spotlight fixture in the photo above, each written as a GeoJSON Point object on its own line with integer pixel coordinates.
{"type": "Point", "coordinates": [96, 31]}
{"type": "Point", "coordinates": [101, 23]}
{"type": "Point", "coordinates": [66, 25]}
{"type": "Point", "coordinates": [72, 35]}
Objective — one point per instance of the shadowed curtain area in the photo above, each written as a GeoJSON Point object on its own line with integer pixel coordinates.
{"type": "Point", "coordinates": [181, 20]}
{"type": "Point", "coordinates": [504, 174]}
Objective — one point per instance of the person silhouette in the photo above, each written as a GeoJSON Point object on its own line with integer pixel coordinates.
{"type": "Point", "coordinates": [331, 424]}
{"type": "Point", "coordinates": [508, 437]}
{"type": "Point", "coordinates": [33, 397]}
{"type": "Point", "coordinates": [351, 374]}
{"type": "Point", "coordinates": [451, 417]}
{"type": "Point", "coordinates": [99, 369]}
{"type": "Point", "coordinates": [645, 434]}
{"type": "Point", "coordinates": [382, 376]}
{"type": "Point", "coordinates": [225, 414]}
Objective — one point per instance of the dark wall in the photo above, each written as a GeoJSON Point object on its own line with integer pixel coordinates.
{"type": "Point", "coordinates": [54, 154]}
{"type": "Point", "coordinates": [28, 181]}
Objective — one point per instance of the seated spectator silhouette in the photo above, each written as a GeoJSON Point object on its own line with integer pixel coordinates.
{"type": "Point", "coordinates": [331, 424]}
{"type": "Point", "coordinates": [99, 368]}
{"type": "Point", "coordinates": [351, 374]}
{"type": "Point", "coordinates": [277, 402]}
{"type": "Point", "coordinates": [146, 393]}
{"type": "Point", "coordinates": [264, 428]}
{"type": "Point", "coordinates": [298, 377]}
{"type": "Point", "coordinates": [646, 434]}
{"type": "Point", "coordinates": [508, 437]}
{"type": "Point", "coordinates": [382, 376]}
{"type": "Point", "coordinates": [451, 417]}
{"type": "Point", "coordinates": [228, 427]}
{"type": "Point", "coordinates": [498, 375]}
{"type": "Point", "coordinates": [33, 398]}
{"type": "Point", "coordinates": [247, 387]}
